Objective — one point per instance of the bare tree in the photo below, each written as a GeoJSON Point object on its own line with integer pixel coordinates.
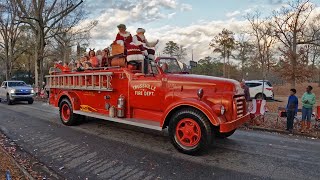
{"type": "Point", "coordinates": [68, 33]}
{"type": "Point", "coordinates": [171, 48]}
{"type": "Point", "coordinates": [42, 17]}
{"type": "Point", "coordinates": [224, 43]}
{"type": "Point", "coordinates": [264, 40]}
{"type": "Point", "coordinates": [181, 53]}
{"type": "Point", "coordinates": [291, 29]}
{"type": "Point", "coordinates": [245, 50]}
{"type": "Point", "coordinates": [9, 31]}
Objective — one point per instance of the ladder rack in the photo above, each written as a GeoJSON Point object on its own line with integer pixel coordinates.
{"type": "Point", "coordinates": [100, 81]}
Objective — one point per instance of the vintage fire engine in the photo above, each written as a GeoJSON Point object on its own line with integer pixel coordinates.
{"type": "Point", "coordinates": [194, 108]}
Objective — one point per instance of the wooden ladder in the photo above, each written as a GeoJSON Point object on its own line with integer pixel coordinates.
{"type": "Point", "coordinates": [100, 81]}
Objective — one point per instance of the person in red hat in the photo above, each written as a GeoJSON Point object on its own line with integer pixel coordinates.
{"type": "Point", "coordinates": [146, 47]}
{"type": "Point", "coordinates": [123, 37]}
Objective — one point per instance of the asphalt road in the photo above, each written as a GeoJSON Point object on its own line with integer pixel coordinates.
{"type": "Point", "coordinates": [99, 149]}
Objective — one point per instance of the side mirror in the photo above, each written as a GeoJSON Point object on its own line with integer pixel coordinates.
{"type": "Point", "coordinates": [3, 86]}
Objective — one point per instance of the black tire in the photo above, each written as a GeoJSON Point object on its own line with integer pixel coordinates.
{"type": "Point", "coordinates": [205, 139]}
{"type": "Point", "coordinates": [30, 101]}
{"type": "Point", "coordinates": [9, 102]}
{"type": "Point", "coordinates": [260, 95]}
{"type": "Point", "coordinates": [66, 113]}
{"type": "Point", "coordinates": [224, 135]}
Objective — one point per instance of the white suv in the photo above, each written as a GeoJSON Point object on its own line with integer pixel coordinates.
{"type": "Point", "coordinates": [16, 91]}
{"type": "Point", "coordinates": [258, 90]}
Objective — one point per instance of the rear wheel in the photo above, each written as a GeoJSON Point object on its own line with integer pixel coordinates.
{"type": "Point", "coordinates": [9, 102]}
{"type": "Point", "coordinates": [190, 131]}
{"type": "Point", "coordinates": [260, 96]}
{"type": "Point", "coordinates": [66, 113]}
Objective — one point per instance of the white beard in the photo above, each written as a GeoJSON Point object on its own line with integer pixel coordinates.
{"type": "Point", "coordinates": [127, 34]}
{"type": "Point", "coordinates": [142, 37]}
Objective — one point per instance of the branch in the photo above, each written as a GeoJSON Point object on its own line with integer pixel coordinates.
{"type": "Point", "coordinates": [51, 9]}
{"type": "Point", "coordinates": [60, 15]}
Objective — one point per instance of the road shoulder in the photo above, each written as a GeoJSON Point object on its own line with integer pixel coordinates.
{"type": "Point", "coordinates": [21, 164]}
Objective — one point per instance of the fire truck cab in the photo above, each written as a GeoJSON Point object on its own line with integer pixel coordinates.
{"type": "Point", "coordinates": [194, 108]}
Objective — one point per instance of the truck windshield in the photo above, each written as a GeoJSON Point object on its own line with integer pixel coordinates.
{"type": "Point", "coordinates": [12, 84]}
{"type": "Point", "coordinates": [172, 65]}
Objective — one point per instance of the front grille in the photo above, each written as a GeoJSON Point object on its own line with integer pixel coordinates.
{"type": "Point", "coordinates": [22, 93]}
{"type": "Point", "coordinates": [240, 103]}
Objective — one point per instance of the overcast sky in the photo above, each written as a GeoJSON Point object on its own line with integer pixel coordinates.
{"type": "Point", "coordinates": [191, 23]}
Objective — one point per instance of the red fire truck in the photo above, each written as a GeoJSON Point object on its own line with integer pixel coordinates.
{"type": "Point", "coordinates": [194, 108]}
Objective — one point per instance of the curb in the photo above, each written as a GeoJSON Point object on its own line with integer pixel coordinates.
{"type": "Point", "coordinates": [25, 172]}
{"type": "Point", "coordinates": [281, 131]}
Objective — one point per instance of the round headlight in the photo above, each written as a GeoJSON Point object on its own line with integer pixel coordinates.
{"type": "Point", "coordinates": [219, 109]}
{"type": "Point", "coordinates": [222, 110]}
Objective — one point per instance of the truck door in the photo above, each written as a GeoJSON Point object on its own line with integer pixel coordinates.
{"type": "Point", "coordinates": [147, 93]}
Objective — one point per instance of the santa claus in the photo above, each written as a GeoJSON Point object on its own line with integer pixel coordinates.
{"type": "Point", "coordinates": [146, 47]}
{"type": "Point", "coordinates": [124, 37]}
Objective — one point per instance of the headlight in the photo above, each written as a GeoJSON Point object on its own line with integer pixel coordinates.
{"type": "Point", "coordinates": [222, 110]}
{"type": "Point", "coordinates": [32, 91]}
{"type": "Point", "coordinates": [219, 109]}
{"type": "Point", "coordinates": [12, 91]}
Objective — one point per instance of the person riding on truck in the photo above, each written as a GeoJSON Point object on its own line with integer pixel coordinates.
{"type": "Point", "coordinates": [123, 37]}
{"type": "Point", "coordinates": [146, 47]}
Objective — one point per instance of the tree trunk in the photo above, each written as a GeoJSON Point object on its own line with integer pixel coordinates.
{"type": "Point", "coordinates": [7, 62]}
{"type": "Point", "coordinates": [39, 54]}
{"type": "Point", "coordinates": [36, 72]}
{"type": "Point", "coordinates": [29, 69]}
{"type": "Point", "coordinates": [65, 53]}
{"type": "Point", "coordinates": [242, 69]}
{"type": "Point", "coordinates": [319, 78]}
{"type": "Point", "coordinates": [224, 62]}
{"type": "Point", "coordinates": [293, 55]}
{"type": "Point", "coordinates": [228, 67]}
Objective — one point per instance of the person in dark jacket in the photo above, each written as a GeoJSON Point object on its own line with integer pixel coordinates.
{"type": "Point", "coordinates": [246, 90]}
{"type": "Point", "coordinates": [292, 109]}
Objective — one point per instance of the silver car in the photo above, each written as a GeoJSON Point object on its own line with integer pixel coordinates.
{"type": "Point", "coordinates": [13, 91]}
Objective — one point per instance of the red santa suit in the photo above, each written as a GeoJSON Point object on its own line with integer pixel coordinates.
{"type": "Point", "coordinates": [145, 46]}
{"type": "Point", "coordinates": [123, 39]}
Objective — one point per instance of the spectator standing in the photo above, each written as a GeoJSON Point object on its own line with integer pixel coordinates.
{"type": "Point", "coordinates": [292, 109]}
{"type": "Point", "coordinates": [308, 101]}
{"type": "Point", "coordinates": [246, 90]}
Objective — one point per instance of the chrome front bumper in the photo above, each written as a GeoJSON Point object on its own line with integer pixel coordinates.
{"type": "Point", "coordinates": [21, 97]}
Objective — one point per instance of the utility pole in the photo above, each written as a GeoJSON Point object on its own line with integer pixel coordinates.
{"type": "Point", "coordinates": [192, 55]}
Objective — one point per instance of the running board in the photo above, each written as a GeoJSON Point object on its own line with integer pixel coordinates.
{"type": "Point", "coordinates": [130, 121]}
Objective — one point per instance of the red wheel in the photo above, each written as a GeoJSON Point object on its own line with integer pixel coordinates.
{"type": "Point", "coordinates": [190, 131]}
{"type": "Point", "coordinates": [66, 113]}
